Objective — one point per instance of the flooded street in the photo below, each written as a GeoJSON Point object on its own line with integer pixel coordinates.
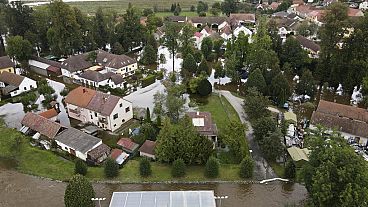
{"type": "Point", "coordinates": [18, 189]}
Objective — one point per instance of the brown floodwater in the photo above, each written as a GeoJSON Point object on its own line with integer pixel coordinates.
{"type": "Point", "coordinates": [17, 189]}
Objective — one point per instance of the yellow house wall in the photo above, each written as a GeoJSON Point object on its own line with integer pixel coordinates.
{"type": "Point", "coordinates": [11, 70]}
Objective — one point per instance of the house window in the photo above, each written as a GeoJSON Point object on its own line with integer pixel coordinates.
{"type": "Point", "coordinates": [114, 125]}
{"type": "Point", "coordinates": [127, 109]}
{"type": "Point", "coordinates": [121, 105]}
{"type": "Point", "coordinates": [115, 116]}
{"type": "Point", "coordinates": [25, 88]}
{"type": "Point", "coordinates": [10, 71]}
{"type": "Point", "coordinates": [95, 114]}
{"type": "Point", "coordinates": [30, 86]}
{"type": "Point", "coordinates": [123, 120]}
{"type": "Point", "coordinates": [91, 117]}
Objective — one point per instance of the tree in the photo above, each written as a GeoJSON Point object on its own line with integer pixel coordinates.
{"type": "Point", "coordinates": [79, 192]}
{"type": "Point", "coordinates": [19, 48]}
{"type": "Point", "coordinates": [280, 89]}
{"type": "Point", "coordinates": [145, 167]}
{"type": "Point", "coordinates": [171, 38]}
{"type": "Point", "coordinates": [41, 18]}
{"type": "Point", "coordinates": [182, 141]}
{"type": "Point", "coordinates": [231, 70]}
{"type": "Point", "coordinates": [173, 6]}
{"type": "Point", "coordinates": [100, 30]}
{"type": "Point", "coordinates": [257, 80]}
{"type": "Point", "coordinates": [203, 68]}
{"type": "Point", "coordinates": [219, 71]}
{"type": "Point", "coordinates": [80, 167]}
{"type": "Point", "coordinates": [147, 12]}
{"type": "Point", "coordinates": [206, 47]}
{"type": "Point", "coordinates": [306, 85]}
{"type": "Point", "coordinates": [246, 168]}
{"type": "Point", "coordinates": [255, 104]}
{"type": "Point", "coordinates": [228, 6]}
{"type": "Point", "coordinates": [117, 49]}
{"type": "Point", "coordinates": [187, 40]}
{"type": "Point", "coordinates": [294, 54]}
{"type": "Point", "coordinates": [233, 136]}
{"type": "Point", "coordinates": [335, 175]}
{"type": "Point", "coordinates": [177, 10]}
{"type": "Point", "coordinates": [130, 31]}
{"type": "Point", "coordinates": [271, 145]}
{"type": "Point", "coordinates": [148, 116]}
{"type": "Point", "coordinates": [18, 18]}
{"type": "Point", "coordinates": [204, 87]}
{"type": "Point", "coordinates": [64, 33]}
{"type": "Point", "coordinates": [189, 64]}
{"type": "Point", "coordinates": [217, 44]}
{"type": "Point", "coordinates": [153, 22]}
{"type": "Point", "coordinates": [3, 27]}
{"type": "Point", "coordinates": [149, 55]}
{"type": "Point", "coordinates": [212, 168]}
{"type": "Point", "coordinates": [263, 127]}
{"type": "Point", "coordinates": [284, 5]}
{"type": "Point", "coordinates": [178, 168]}
{"type": "Point", "coordinates": [290, 170]}
{"type": "Point", "coordinates": [202, 7]}
{"type": "Point", "coordinates": [192, 8]}
{"type": "Point", "coordinates": [307, 29]}
{"type": "Point", "coordinates": [216, 9]}
{"type": "Point", "coordinates": [111, 168]}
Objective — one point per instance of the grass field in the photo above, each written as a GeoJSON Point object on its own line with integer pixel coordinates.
{"type": "Point", "coordinates": [120, 6]}
{"type": "Point", "coordinates": [221, 114]}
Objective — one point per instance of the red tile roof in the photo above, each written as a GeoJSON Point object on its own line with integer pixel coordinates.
{"type": "Point", "coordinates": [80, 96]}
{"type": "Point", "coordinates": [128, 144]}
{"type": "Point", "coordinates": [49, 113]}
{"type": "Point", "coordinates": [148, 147]}
{"type": "Point", "coordinates": [42, 125]}
{"type": "Point", "coordinates": [208, 127]}
{"type": "Point", "coordinates": [115, 153]}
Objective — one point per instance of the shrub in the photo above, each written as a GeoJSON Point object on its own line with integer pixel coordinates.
{"type": "Point", "coordinates": [79, 192]}
{"type": "Point", "coordinates": [290, 171]}
{"type": "Point", "coordinates": [80, 167]}
{"type": "Point", "coordinates": [150, 79]}
{"type": "Point", "coordinates": [178, 168]}
{"type": "Point", "coordinates": [246, 168]}
{"type": "Point", "coordinates": [204, 87]}
{"type": "Point", "coordinates": [64, 92]}
{"type": "Point", "coordinates": [212, 168]}
{"type": "Point", "coordinates": [111, 168]}
{"type": "Point", "coordinates": [145, 168]}
{"type": "Point", "coordinates": [45, 89]}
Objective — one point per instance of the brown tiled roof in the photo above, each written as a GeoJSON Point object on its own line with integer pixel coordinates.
{"type": "Point", "coordinates": [226, 30]}
{"type": "Point", "coordinates": [344, 118]}
{"type": "Point", "coordinates": [243, 17]}
{"type": "Point", "coordinates": [274, 5]}
{"type": "Point", "coordinates": [80, 96]}
{"type": "Point", "coordinates": [99, 151]}
{"type": "Point", "coordinates": [46, 61]}
{"type": "Point", "coordinates": [128, 144]}
{"type": "Point", "coordinates": [11, 78]}
{"type": "Point", "coordinates": [355, 12]}
{"type": "Point", "coordinates": [177, 18]}
{"type": "Point", "coordinates": [6, 62]}
{"type": "Point", "coordinates": [103, 103]}
{"type": "Point", "coordinates": [208, 128]}
{"type": "Point", "coordinates": [113, 61]}
{"type": "Point", "coordinates": [42, 125]}
{"type": "Point", "coordinates": [76, 62]}
{"type": "Point", "coordinates": [49, 113]}
{"type": "Point", "coordinates": [208, 20]}
{"type": "Point", "coordinates": [115, 153]}
{"type": "Point", "coordinates": [304, 42]}
{"type": "Point", "coordinates": [148, 147]}
{"type": "Point", "coordinates": [95, 76]}
{"type": "Point", "coordinates": [117, 79]}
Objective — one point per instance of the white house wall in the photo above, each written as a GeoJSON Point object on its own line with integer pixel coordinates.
{"type": "Point", "coordinates": [125, 70]}
{"type": "Point", "coordinates": [26, 85]}
{"type": "Point", "coordinates": [81, 116]}
{"type": "Point", "coordinates": [122, 115]}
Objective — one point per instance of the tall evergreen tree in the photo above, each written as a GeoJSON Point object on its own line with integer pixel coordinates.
{"type": "Point", "coordinates": [79, 192]}
{"type": "Point", "coordinates": [257, 80]}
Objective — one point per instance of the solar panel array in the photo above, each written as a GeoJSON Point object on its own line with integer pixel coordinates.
{"type": "Point", "coordinates": [163, 199]}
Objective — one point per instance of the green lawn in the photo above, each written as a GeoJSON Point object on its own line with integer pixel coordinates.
{"type": "Point", "coordinates": [221, 113]}
{"type": "Point", "coordinates": [120, 6]}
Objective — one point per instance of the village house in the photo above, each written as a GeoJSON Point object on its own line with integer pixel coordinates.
{"type": "Point", "coordinates": [177, 19]}
{"type": "Point", "coordinates": [351, 121]}
{"type": "Point", "coordinates": [202, 121]}
{"type": "Point", "coordinates": [237, 19]}
{"type": "Point", "coordinates": [364, 5]}
{"type": "Point", "coordinates": [51, 114]}
{"type": "Point", "coordinates": [44, 66]}
{"type": "Point", "coordinates": [119, 156]}
{"type": "Point", "coordinates": [106, 111]}
{"type": "Point", "coordinates": [6, 64]}
{"type": "Point", "coordinates": [213, 22]}
{"type": "Point", "coordinates": [308, 45]}
{"type": "Point", "coordinates": [148, 149]}
{"type": "Point", "coordinates": [94, 78]}
{"type": "Point", "coordinates": [128, 145]}
{"type": "Point", "coordinates": [12, 84]}
{"type": "Point", "coordinates": [119, 64]}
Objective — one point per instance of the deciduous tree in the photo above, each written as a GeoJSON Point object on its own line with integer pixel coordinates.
{"type": "Point", "coordinates": [257, 81]}
{"type": "Point", "coordinates": [79, 192]}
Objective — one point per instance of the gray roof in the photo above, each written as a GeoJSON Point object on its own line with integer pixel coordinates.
{"type": "Point", "coordinates": [117, 79]}
{"type": "Point", "coordinates": [46, 61]}
{"type": "Point", "coordinates": [96, 76]}
{"type": "Point", "coordinates": [6, 62]}
{"type": "Point", "coordinates": [163, 199]}
{"type": "Point", "coordinates": [103, 103]}
{"type": "Point", "coordinates": [11, 78]}
{"type": "Point", "coordinates": [77, 140]}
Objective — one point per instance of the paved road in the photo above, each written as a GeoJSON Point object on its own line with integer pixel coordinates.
{"type": "Point", "coordinates": [262, 169]}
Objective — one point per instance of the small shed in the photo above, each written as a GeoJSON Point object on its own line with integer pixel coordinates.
{"type": "Point", "coordinates": [299, 156]}
{"type": "Point", "coordinates": [148, 149]}
{"type": "Point", "coordinates": [119, 156]}
{"type": "Point", "coordinates": [128, 145]}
